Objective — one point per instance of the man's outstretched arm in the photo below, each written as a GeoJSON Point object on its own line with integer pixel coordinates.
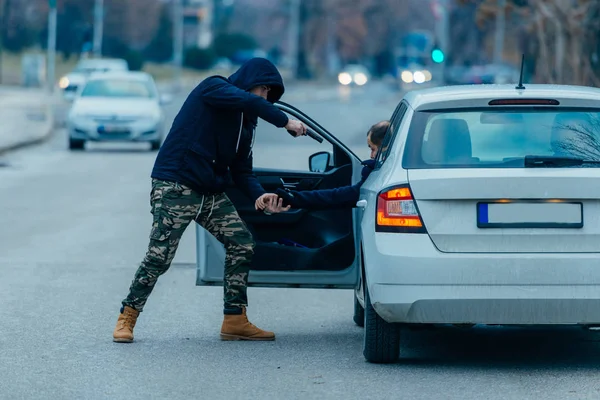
{"type": "Point", "coordinates": [220, 93]}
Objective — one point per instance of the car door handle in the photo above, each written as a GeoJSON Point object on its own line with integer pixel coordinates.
{"type": "Point", "coordinates": [290, 184]}
{"type": "Point", "coordinates": [361, 204]}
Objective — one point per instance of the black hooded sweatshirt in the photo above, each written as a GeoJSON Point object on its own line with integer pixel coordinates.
{"type": "Point", "coordinates": [212, 136]}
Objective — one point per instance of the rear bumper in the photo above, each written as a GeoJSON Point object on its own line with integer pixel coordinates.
{"type": "Point", "coordinates": [521, 305]}
{"type": "Point", "coordinates": [412, 282]}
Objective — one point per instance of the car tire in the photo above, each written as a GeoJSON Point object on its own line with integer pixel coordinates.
{"type": "Point", "coordinates": [155, 145]}
{"type": "Point", "coordinates": [381, 343]}
{"type": "Point", "coordinates": [359, 312]}
{"type": "Point", "coordinates": [76, 144]}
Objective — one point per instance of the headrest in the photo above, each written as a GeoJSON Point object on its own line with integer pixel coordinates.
{"type": "Point", "coordinates": [449, 141]}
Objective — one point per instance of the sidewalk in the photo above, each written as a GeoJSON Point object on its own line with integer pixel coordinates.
{"type": "Point", "coordinates": [26, 117]}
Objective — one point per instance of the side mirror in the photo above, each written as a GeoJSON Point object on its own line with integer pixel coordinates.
{"type": "Point", "coordinates": [165, 99]}
{"type": "Point", "coordinates": [319, 162]}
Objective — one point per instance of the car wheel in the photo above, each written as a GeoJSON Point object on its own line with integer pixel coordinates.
{"type": "Point", "coordinates": [382, 339]}
{"type": "Point", "coordinates": [76, 144]}
{"type": "Point", "coordinates": [155, 145]}
{"type": "Point", "coordinates": [359, 312]}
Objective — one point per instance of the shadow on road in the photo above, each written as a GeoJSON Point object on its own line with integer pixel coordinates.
{"type": "Point", "coordinates": [548, 348]}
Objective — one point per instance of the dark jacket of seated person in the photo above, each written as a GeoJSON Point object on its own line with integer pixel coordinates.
{"type": "Point", "coordinates": [342, 197]}
{"type": "Point", "coordinates": [345, 196]}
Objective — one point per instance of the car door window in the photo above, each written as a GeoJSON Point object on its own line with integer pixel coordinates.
{"type": "Point", "coordinates": [275, 148]}
{"type": "Point", "coordinates": [388, 140]}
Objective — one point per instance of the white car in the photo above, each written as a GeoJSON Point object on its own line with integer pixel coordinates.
{"type": "Point", "coordinates": [117, 107]}
{"type": "Point", "coordinates": [483, 208]}
{"type": "Point", "coordinates": [70, 83]}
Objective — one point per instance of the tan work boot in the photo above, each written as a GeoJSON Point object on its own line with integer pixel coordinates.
{"type": "Point", "coordinates": [124, 330]}
{"type": "Point", "coordinates": [237, 327]}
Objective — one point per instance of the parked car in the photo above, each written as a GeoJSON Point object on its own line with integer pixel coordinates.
{"type": "Point", "coordinates": [70, 83]}
{"type": "Point", "coordinates": [117, 106]}
{"type": "Point", "coordinates": [483, 208]}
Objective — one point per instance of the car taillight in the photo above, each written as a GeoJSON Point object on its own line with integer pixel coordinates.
{"type": "Point", "coordinates": [397, 212]}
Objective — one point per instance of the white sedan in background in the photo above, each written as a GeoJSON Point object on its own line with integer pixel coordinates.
{"type": "Point", "coordinates": [73, 81]}
{"type": "Point", "coordinates": [117, 107]}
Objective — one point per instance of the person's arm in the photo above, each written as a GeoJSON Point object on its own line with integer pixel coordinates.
{"type": "Point", "coordinates": [218, 92]}
{"type": "Point", "coordinates": [342, 197]}
{"type": "Point", "coordinates": [244, 178]}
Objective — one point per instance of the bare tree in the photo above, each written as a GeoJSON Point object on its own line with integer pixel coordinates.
{"type": "Point", "coordinates": [565, 33]}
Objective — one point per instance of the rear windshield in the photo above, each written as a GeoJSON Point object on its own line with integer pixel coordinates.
{"type": "Point", "coordinates": [500, 138]}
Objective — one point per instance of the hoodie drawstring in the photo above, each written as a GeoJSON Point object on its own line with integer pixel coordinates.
{"type": "Point", "coordinates": [200, 209]}
{"type": "Point", "coordinates": [252, 143]}
{"type": "Point", "coordinates": [240, 134]}
{"type": "Point", "coordinates": [212, 207]}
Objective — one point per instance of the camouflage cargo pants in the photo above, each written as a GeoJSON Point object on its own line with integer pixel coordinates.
{"type": "Point", "coordinates": [174, 207]}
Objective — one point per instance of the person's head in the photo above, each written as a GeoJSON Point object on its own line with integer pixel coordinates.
{"type": "Point", "coordinates": [260, 77]}
{"type": "Point", "coordinates": [261, 90]}
{"type": "Point", "coordinates": [375, 136]}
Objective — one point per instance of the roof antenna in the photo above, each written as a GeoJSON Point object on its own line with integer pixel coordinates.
{"type": "Point", "coordinates": [520, 86]}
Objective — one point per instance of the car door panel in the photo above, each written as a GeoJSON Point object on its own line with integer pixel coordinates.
{"type": "Point", "coordinates": [300, 247]}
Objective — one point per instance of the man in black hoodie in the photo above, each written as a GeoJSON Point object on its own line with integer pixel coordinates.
{"type": "Point", "coordinates": [210, 142]}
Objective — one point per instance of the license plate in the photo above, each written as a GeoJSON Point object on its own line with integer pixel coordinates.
{"type": "Point", "coordinates": [530, 215]}
{"type": "Point", "coordinates": [112, 129]}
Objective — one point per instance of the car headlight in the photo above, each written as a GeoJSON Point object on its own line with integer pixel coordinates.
{"type": "Point", "coordinates": [407, 76]}
{"type": "Point", "coordinates": [419, 77]}
{"type": "Point", "coordinates": [63, 83]}
{"type": "Point", "coordinates": [151, 117]}
{"type": "Point", "coordinates": [427, 75]}
{"type": "Point", "coordinates": [345, 78]}
{"type": "Point", "coordinates": [360, 79]}
{"type": "Point", "coordinates": [77, 116]}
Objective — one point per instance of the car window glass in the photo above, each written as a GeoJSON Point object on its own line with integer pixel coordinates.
{"type": "Point", "coordinates": [498, 139]}
{"type": "Point", "coordinates": [387, 142]}
{"type": "Point", "coordinates": [274, 148]}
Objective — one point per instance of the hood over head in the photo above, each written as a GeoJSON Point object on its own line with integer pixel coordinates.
{"type": "Point", "coordinates": [259, 71]}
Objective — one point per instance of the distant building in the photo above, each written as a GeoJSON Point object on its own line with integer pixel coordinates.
{"type": "Point", "coordinates": [198, 21]}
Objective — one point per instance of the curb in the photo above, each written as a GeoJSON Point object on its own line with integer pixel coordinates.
{"type": "Point", "coordinates": [49, 130]}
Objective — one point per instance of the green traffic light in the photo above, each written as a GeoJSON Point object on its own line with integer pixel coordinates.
{"type": "Point", "coordinates": [437, 56]}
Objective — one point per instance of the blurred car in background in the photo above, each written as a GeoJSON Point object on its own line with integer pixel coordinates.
{"type": "Point", "coordinates": [503, 73]}
{"type": "Point", "coordinates": [354, 74]}
{"type": "Point", "coordinates": [414, 73]}
{"type": "Point", "coordinates": [117, 107]}
{"type": "Point", "coordinates": [70, 83]}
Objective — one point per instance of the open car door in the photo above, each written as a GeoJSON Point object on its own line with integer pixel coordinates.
{"type": "Point", "coordinates": [298, 248]}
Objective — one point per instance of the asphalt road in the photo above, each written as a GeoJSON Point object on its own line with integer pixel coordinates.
{"type": "Point", "coordinates": [75, 226]}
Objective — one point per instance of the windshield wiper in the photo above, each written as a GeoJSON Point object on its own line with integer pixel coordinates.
{"type": "Point", "coordinates": [555, 161]}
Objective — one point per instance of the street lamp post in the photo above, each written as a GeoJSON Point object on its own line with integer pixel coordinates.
{"type": "Point", "coordinates": [51, 61]}
{"type": "Point", "coordinates": [98, 27]}
{"type": "Point", "coordinates": [294, 36]}
{"type": "Point", "coordinates": [499, 37]}
{"type": "Point", "coordinates": [177, 42]}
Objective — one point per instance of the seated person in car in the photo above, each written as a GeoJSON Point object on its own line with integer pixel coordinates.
{"type": "Point", "coordinates": [342, 197]}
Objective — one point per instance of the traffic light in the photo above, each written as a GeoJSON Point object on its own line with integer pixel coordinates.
{"type": "Point", "coordinates": [437, 56]}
